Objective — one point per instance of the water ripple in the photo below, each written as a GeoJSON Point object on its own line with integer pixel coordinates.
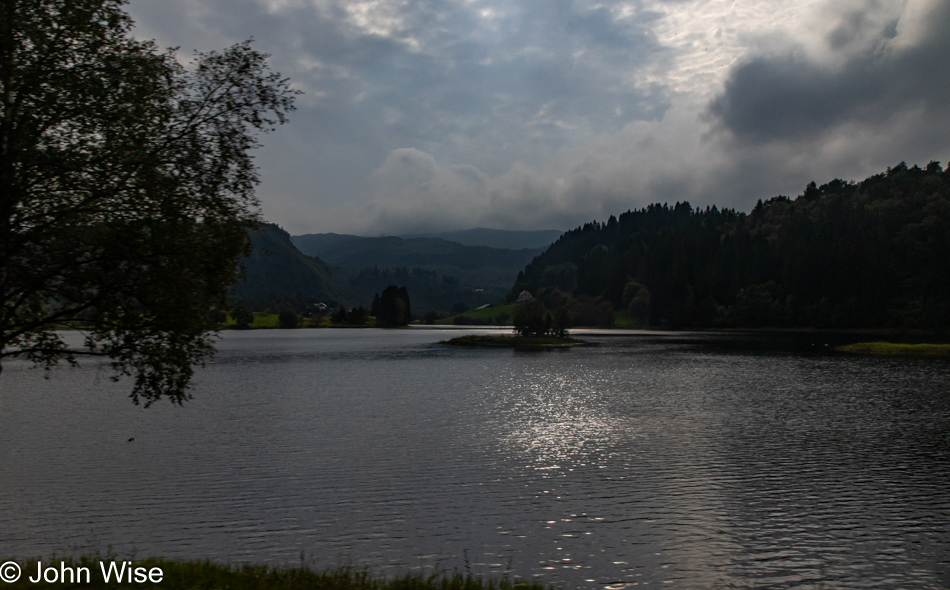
{"type": "Point", "coordinates": [689, 462]}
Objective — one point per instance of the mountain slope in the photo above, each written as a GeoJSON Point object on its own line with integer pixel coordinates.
{"type": "Point", "coordinates": [277, 274]}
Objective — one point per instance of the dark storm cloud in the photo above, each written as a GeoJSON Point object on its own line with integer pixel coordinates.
{"type": "Point", "coordinates": [484, 84]}
{"type": "Point", "coordinates": [443, 71]}
{"type": "Point", "coordinates": [438, 114]}
{"type": "Point", "coordinates": [790, 97]}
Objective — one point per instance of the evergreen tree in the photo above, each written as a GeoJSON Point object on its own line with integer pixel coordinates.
{"type": "Point", "coordinates": [393, 307]}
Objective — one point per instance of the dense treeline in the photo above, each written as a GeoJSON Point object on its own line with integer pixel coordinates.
{"type": "Point", "coordinates": [874, 254]}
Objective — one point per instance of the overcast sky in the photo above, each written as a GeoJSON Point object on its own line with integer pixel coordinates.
{"type": "Point", "coordinates": [544, 114]}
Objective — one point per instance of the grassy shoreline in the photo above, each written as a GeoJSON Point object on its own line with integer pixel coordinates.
{"type": "Point", "coordinates": [896, 349]}
{"type": "Point", "coordinates": [189, 575]}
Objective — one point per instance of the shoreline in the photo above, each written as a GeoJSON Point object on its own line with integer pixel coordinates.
{"type": "Point", "coordinates": [515, 342]}
{"type": "Point", "coordinates": [892, 349]}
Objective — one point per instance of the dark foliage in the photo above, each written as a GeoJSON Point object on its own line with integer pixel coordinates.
{"type": "Point", "coordinates": [352, 317]}
{"type": "Point", "coordinates": [592, 311]}
{"type": "Point", "coordinates": [392, 307]}
{"type": "Point", "coordinates": [533, 319]}
{"type": "Point", "coordinates": [431, 316]}
{"type": "Point", "coordinates": [126, 189]}
{"type": "Point", "coordinates": [287, 319]}
{"type": "Point", "coordinates": [242, 317]}
{"type": "Point", "coordinates": [358, 316]}
{"type": "Point", "coordinates": [874, 254]}
{"type": "Point", "coordinates": [562, 322]}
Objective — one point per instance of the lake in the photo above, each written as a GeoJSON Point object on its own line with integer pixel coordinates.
{"type": "Point", "coordinates": [678, 460]}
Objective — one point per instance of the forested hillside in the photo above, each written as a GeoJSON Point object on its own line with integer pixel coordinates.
{"type": "Point", "coordinates": [278, 276]}
{"type": "Point", "coordinates": [874, 254]}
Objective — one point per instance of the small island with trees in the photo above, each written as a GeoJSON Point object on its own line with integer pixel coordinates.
{"type": "Point", "coordinates": [535, 329]}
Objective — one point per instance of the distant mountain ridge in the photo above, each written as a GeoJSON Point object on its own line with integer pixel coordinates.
{"type": "Point", "coordinates": [393, 252]}
{"type": "Point", "coordinates": [448, 273]}
{"type": "Point", "coordinates": [496, 238]}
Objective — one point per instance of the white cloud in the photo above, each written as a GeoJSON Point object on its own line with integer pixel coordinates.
{"type": "Point", "coordinates": [520, 114]}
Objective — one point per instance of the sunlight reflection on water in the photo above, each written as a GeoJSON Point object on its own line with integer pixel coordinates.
{"type": "Point", "coordinates": [643, 459]}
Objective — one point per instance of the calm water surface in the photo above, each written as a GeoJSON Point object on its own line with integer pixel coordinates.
{"type": "Point", "coordinates": [674, 460]}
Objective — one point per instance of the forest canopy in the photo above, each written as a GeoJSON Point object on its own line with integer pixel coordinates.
{"type": "Point", "coordinates": [869, 254]}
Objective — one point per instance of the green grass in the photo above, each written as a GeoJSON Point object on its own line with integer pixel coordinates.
{"type": "Point", "coordinates": [623, 319]}
{"type": "Point", "coordinates": [261, 320]}
{"type": "Point", "coordinates": [518, 342]}
{"type": "Point", "coordinates": [896, 349]}
{"type": "Point", "coordinates": [204, 575]}
{"type": "Point", "coordinates": [265, 320]}
{"type": "Point", "coordinates": [488, 314]}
